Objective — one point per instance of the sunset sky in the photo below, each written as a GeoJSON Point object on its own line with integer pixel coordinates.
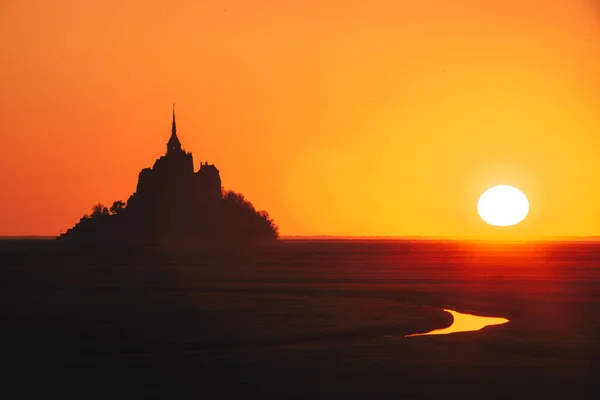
{"type": "Point", "coordinates": [379, 117]}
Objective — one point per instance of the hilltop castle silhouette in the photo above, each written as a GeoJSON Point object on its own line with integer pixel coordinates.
{"type": "Point", "coordinates": [174, 203]}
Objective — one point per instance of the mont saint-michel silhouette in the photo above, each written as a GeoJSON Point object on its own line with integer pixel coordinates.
{"type": "Point", "coordinates": [174, 203]}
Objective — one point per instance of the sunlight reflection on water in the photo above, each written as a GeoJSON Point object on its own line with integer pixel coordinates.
{"type": "Point", "coordinates": [464, 323]}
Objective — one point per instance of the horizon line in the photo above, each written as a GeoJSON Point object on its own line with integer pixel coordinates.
{"type": "Point", "coordinates": [440, 238]}
{"type": "Point", "coordinates": [390, 238]}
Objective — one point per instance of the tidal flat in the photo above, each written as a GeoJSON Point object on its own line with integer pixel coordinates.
{"type": "Point", "coordinates": [301, 319]}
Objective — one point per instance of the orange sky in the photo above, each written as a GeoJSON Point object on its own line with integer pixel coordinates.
{"type": "Point", "coordinates": [380, 117]}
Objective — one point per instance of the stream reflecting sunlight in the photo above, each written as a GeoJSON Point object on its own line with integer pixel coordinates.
{"type": "Point", "coordinates": [464, 323]}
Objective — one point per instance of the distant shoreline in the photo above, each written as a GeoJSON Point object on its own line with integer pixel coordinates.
{"type": "Point", "coordinates": [325, 238]}
{"type": "Point", "coordinates": [27, 237]}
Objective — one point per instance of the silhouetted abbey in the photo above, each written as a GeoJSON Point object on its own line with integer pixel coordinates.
{"type": "Point", "coordinates": [172, 202]}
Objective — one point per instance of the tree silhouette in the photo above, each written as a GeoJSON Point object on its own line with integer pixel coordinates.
{"type": "Point", "coordinates": [117, 207]}
{"type": "Point", "coordinates": [99, 210]}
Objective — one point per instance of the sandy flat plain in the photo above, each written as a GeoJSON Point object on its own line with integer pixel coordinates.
{"type": "Point", "coordinates": [301, 319]}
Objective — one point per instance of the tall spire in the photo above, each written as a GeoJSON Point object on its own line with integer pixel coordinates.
{"type": "Point", "coordinates": [174, 125]}
{"type": "Point", "coordinates": [174, 144]}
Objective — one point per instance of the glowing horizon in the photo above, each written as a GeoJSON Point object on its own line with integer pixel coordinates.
{"type": "Point", "coordinates": [338, 118]}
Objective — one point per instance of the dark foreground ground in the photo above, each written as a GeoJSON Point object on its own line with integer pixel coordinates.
{"type": "Point", "coordinates": [299, 320]}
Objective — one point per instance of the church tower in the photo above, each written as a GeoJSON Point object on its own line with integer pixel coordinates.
{"type": "Point", "coordinates": [173, 145]}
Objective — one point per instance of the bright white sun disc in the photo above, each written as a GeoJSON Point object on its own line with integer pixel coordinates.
{"type": "Point", "coordinates": [503, 205]}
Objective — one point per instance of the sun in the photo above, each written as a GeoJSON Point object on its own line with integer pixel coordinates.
{"type": "Point", "coordinates": [503, 205]}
